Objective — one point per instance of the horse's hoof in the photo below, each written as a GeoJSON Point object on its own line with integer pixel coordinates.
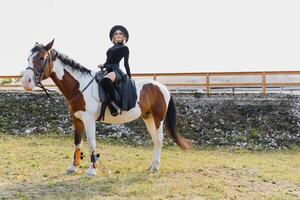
{"type": "Point", "coordinates": [72, 169]}
{"type": "Point", "coordinates": [91, 172]}
{"type": "Point", "coordinates": [154, 168]}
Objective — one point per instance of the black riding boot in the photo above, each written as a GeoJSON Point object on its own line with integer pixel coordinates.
{"type": "Point", "coordinates": [109, 89]}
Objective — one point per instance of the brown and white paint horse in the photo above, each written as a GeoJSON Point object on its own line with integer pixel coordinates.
{"type": "Point", "coordinates": [154, 102]}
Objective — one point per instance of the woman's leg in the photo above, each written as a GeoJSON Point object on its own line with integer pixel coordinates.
{"type": "Point", "coordinates": [111, 76]}
{"type": "Point", "coordinates": [108, 86]}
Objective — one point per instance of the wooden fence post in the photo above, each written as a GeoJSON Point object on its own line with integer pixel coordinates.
{"type": "Point", "coordinates": [207, 84]}
{"type": "Point", "coordinates": [264, 84]}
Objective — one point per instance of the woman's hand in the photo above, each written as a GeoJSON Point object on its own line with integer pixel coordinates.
{"type": "Point", "coordinates": [100, 66]}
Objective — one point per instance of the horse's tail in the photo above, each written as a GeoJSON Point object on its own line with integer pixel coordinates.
{"type": "Point", "coordinates": [170, 124]}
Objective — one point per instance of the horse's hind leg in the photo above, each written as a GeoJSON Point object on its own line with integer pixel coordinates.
{"type": "Point", "coordinates": [79, 128]}
{"type": "Point", "coordinates": [157, 139]}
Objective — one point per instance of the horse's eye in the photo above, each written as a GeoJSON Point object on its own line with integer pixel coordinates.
{"type": "Point", "coordinates": [42, 58]}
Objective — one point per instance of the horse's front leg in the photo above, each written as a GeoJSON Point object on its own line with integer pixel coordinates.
{"type": "Point", "coordinates": [90, 127]}
{"type": "Point", "coordinates": [79, 129]}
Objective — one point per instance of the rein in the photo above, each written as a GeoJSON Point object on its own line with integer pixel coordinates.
{"type": "Point", "coordinates": [80, 92]}
{"type": "Point", "coordinates": [46, 90]}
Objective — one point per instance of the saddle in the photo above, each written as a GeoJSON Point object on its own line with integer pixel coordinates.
{"type": "Point", "coordinates": [124, 89]}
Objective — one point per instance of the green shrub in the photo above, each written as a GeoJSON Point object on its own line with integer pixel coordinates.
{"type": "Point", "coordinates": [6, 81]}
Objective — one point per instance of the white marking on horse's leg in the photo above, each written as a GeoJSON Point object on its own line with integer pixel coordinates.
{"type": "Point", "coordinates": [157, 151]}
{"type": "Point", "coordinates": [157, 139]}
{"type": "Point", "coordinates": [90, 127]}
{"type": "Point", "coordinates": [160, 138]}
{"type": "Point", "coordinates": [78, 146]}
{"type": "Point", "coordinates": [71, 169]}
{"type": "Point", "coordinates": [91, 135]}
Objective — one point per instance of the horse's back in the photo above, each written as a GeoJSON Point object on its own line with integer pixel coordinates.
{"type": "Point", "coordinates": [141, 83]}
{"type": "Point", "coordinates": [149, 86]}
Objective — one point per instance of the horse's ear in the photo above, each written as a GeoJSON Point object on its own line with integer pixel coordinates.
{"type": "Point", "coordinates": [49, 45]}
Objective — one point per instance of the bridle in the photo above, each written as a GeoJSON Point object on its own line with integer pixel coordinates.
{"type": "Point", "coordinates": [39, 74]}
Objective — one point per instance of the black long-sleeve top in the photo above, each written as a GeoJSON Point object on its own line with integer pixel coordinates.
{"type": "Point", "coordinates": [116, 53]}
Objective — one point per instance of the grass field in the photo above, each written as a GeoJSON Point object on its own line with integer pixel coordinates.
{"type": "Point", "coordinates": [34, 167]}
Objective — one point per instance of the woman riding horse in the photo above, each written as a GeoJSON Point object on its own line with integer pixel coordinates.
{"type": "Point", "coordinates": [153, 103]}
{"type": "Point", "coordinates": [119, 36]}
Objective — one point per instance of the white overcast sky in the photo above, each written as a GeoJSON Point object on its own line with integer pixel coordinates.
{"type": "Point", "coordinates": [165, 35]}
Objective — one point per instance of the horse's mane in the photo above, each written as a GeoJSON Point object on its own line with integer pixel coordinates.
{"type": "Point", "coordinates": [65, 60]}
{"type": "Point", "coordinates": [72, 63]}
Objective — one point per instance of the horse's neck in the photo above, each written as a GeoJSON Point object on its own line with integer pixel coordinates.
{"type": "Point", "coordinates": [67, 79]}
{"type": "Point", "coordinates": [60, 70]}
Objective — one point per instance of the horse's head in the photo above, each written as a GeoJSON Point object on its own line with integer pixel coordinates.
{"type": "Point", "coordinates": [40, 65]}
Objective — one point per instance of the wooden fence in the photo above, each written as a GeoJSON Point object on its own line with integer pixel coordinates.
{"type": "Point", "coordinates": [205, 80]}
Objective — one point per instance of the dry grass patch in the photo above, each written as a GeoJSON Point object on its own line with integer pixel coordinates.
{"type": "Point", "coordinates": [34, 167]}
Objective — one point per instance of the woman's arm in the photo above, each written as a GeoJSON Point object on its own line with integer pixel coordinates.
{"type": "Point", "coordinates": [126, 64]}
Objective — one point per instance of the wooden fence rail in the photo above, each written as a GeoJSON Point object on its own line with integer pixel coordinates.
{"type": "Point", "coordinates": [208, 84]}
